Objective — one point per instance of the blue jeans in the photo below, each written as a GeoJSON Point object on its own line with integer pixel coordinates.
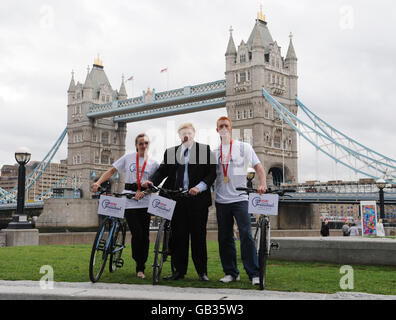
{"type": "Point", "coordinates": [228, 255]}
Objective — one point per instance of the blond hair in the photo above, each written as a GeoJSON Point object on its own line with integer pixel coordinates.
{"type": "Point", "coordinates": [185, 126]}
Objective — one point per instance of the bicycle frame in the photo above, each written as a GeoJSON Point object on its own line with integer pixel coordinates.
{"type": "Point", "coordinates": [115, 222]}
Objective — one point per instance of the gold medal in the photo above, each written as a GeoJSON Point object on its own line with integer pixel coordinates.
{"type": "Point", "coordinates": [225, 166]}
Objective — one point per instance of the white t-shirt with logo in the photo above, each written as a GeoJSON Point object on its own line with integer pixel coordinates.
{"type": "Point", "coordinates": [127, 165]}
{"type": "Point", "coordinates": [242, 158]}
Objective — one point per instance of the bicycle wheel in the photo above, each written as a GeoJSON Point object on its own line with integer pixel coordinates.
{"type": "Point", "coordinates": [263, 252]}
{"type": "Point", "coordinates": [99, 251]}
{"type": "Point", "coordinates": [117, 245]}
{"type": "Point", "coordinates": [160, 251]}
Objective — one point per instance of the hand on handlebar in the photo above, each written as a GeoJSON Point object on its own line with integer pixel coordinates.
{"type": "Point", "coordinates": [193, 191]}
{"type": "Point", "coordinates": [147, 184]}
{"type": "Point", "coordinates": [139, 195]}
{"type": "Point", "coordinates": [262, 189]}
{"type": "Point", "coordinates": [95, 187]}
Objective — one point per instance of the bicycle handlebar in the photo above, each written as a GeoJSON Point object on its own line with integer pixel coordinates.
{"type": "Point", "coordinates": [115, 194]}
{"type": "Point", "coordinates": [171, 193]}
{"type": "Point", "coordinates": [279, 192]}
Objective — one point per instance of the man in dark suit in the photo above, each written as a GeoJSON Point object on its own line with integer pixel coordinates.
{"type": "Point", "coordinates": [190, 166]}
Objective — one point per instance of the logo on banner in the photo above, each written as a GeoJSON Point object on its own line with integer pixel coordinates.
{"type": "Point", "coordinates": [264, 203]}
{"type": "Point", "coordinates": [160, 205]}
{"type": "Point", "coordinates": [111, 206]}
{"type": "Point", "coordinates": [107, 204]}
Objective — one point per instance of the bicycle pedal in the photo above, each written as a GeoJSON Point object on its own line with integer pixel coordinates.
{"type": "Point", "coordinates": [120, 263]}
{"type": "Point", "coordinates": [102, 244]}
{"type": "Point", "coordinates": [275, 246]}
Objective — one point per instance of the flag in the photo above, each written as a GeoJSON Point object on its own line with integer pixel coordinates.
{"type": "Point", "coordinates": [164, 70]}
{"type": "Point", "coordinates": [130, 79]}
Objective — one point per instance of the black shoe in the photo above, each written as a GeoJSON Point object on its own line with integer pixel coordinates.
{"type": "Point", "coordinates": [203, 277]}
{"type": "Point", "coordinates": [175, 276]}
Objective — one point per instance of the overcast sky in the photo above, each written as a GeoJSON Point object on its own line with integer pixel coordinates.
{"type": "Point", "coordinates": [346, 66]}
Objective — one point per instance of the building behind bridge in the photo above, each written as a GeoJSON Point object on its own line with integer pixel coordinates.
{"type": "Point", "coordinates": [49, 178]}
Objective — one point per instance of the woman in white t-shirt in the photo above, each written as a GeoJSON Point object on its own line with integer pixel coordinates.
{"type": "Point", "coordinates": [138, 167]}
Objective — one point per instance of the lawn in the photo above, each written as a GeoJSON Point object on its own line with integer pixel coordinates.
{"type": "Point", "coordinates": [70, 264]}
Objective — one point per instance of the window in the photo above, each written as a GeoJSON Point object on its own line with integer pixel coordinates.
{"type": "Point", "coordinates": [105, 159]}
{"type": "Point", "coordinates": [242, 77]}
{"type": "Point", "coordinates": [242, 58]}
{"type": "Point", "coordinates": [77, 109]}
{"type": "Point", "coordinates": [105, 137]}
{"type": "Point", "coordinates": [244, 114]}
{"type": "Point", "coordinates": [77, 159]}
{"type": "Point", "coordinates": [267, 139]}
{"type": "Point", "coordinates": [248, 75]}
{"type": "Point", "coordinates": [238, 115]}
{"type": "Point", "coordinates": [277, 142]}
{"type": "Point", "coordinates": [250, 113]}
{"type": "Point", "coordinates": [278, 139]}
{"type": "Point", "coordinates": [266, 113]}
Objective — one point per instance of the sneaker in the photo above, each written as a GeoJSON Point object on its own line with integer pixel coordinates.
{"type": "Point", "coordinates": [228, 278]}
{"type": "Point", "coordinates": [256, 281]}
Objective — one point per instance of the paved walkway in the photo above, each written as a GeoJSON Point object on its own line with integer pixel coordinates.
{"type": "Point", "coordinates": [31, 290]}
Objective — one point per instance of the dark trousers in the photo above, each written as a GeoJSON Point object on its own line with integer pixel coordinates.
{"type": "Point", "coordinates": [189, 220]}
{"type": "Point", "coordinates": [139, 224]}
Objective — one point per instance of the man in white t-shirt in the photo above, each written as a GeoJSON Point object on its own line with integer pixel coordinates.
{"type": "Point", "coordinates": [234, 159]}
{"type": "Point", "coordinates": [137, 166]}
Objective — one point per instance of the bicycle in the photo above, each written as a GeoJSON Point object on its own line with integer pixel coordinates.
{"type": "Point", "coordinates": [262, 236]}
{"type": "Point", "coordinates": [162, 246]}
{"type": "Point", "coordinates": [109, 240]}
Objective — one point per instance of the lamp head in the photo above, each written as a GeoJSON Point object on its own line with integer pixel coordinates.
{"type": "Point", "coordinates": [22, 155]}
{"type": "Point", "coordinates": [381, 183]}
{"type": "Point", "coordinates": [251, 174]}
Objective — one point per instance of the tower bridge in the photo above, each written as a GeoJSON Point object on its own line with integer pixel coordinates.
{"type": "Point", "coordinates": [97, 114]}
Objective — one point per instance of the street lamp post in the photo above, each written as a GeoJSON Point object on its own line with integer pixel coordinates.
{"type": "Point", "coordinates": [381, 184]}
{"type": "Point", "coordinates": [19, 220]}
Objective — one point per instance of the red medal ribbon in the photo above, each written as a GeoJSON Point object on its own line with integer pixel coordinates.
{"type": "Point", "coordinates": [139, 178]}
{"type": "Point", "coordinates": [225, 167]}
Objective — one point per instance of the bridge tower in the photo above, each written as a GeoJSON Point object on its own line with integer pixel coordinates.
{"type": "Point", "coordinates": [255, 65]}
{"type": "Point", "coordinates": [93, 145]}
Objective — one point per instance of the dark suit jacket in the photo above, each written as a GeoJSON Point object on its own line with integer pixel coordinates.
{"type": "Point", "coordinates": [201, 167]}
